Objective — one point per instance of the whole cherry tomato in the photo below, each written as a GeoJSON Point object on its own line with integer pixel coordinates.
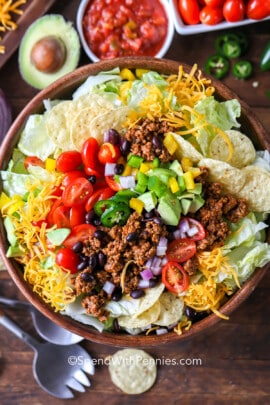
{"type": "Point", "coordinates": [214, 3]}
{"type": "Point", "coordinates": [108, 153]}
{"type": "Point", "coordinates": [72, 175]}
{"type": "Point", "coordinates": [211, 15]}
{"type": "Point", "coordinates": [61, 217]}
{"type": "Point", "coordinates": [77, 192]}
{"type": "Point", "coordinates": [67, 259]}
{"type": "Point", "coordinates": [189, 11]}
{"type": "Point", "coordinates": [69, 160]}
{"type": "Point", "coordinates": [100, 194]}
{"type": "Point", "coordinates": [258, 9]}
{"type": "Point", "coordinates": [234, 10]}
{"type": "Point", "coordinates": [76, 215]}
{"type": "Point", "coordinates": [90, 150]}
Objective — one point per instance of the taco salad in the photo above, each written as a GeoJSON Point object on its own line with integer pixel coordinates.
{"type": "Point", "coordinates": [138, 204]}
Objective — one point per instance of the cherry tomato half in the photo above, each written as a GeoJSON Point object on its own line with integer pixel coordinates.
{"type": "Point", "coordinates": [174, 277]}
{"type": "Point", "coordinates": [180, 250]}
{"type": "Point", "coordinates": [210, 15]}
{"type": "Point", "coordinates": [258, 9]}
{"type": "Point", "coordinates": [61, 217]}
{"type": "Point", "coordinates": [79, 233]}
{"type": "Point", "coordinates": [189, 11]}
{"type": "Point", "coordinates": [67, 259]}
{"type": "Point", "coordinates": [69, 160]}
{"type": "Point", "coordinates": [77, 192]}
{"type": "Point", "coordinates": [72, 175]}
{"type": "Point", "coordinates": [33, 161]}
{"type": "Point", "coordinates": [108, 153]}
{"type": "Point", "coordinates": [101, 194]}
{"type": "Point", "coordinates": [112, 183]}
{"type": "Point", "coordinates": [234, 10]}
{"type": "Point", "coordinates": [76, 215]}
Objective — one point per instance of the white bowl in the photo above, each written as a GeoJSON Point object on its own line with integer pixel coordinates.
{"type": "Point", "coordinates": [185, 29]}
{"type": "Point", "coordinates": [160, 54]}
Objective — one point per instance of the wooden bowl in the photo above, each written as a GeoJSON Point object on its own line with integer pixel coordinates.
{"type": "Point", "coordinates": [63, 88]}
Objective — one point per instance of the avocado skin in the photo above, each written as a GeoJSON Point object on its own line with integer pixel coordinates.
{"type": "Point", "coordinates": [50, 24]}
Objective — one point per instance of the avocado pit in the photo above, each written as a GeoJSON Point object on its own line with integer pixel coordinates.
{"type": "Point", "coordinates": [48, 54]}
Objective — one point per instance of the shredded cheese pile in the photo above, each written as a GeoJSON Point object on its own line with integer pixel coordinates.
{"type": "Point", "coordinates": [7, 7]}
{"type": "Point", "coordinates": [208, 294]}
{"type": "Point", "coordinates": [50, 282]}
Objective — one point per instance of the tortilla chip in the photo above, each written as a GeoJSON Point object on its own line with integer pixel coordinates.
{"type": "Point", "coordinates": [142, 320]}
{"type": "Point", "coordinates": [171, 309]}
{"type": "Point", "coordinates": [132, 370]}
{"type": "Point", "coordinates": [187, 149]}
{"type": "Point", "coordinates": [231, 178]}
{"type": "Point", "coordinates": [243, 151]}
{"type": "Point", "coordinates": [256, 189]}
{"type": "Point", "coordinates": [116, 120]}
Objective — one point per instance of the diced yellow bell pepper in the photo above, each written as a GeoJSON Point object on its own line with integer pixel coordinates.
{"type": "Point", "coordinates": [14, 207]}
{"type": "Point", "coordinates": [190, 185]}
{"type": "Point", "coordinates": [174, 186]}
{"type": "Point", "coordinates": [186, 164]}
{"type": "Point", "coordinates": [50, 164]}
{"type": "Point", "coordinates": [126, 74]}
{"type": "Point", "coordinates": [146, 166]}
{"type": "Point", "coordinates": [195, 171]}
{"type": "Point", "coordinates": [140, 72]}
{"type": "Point", "coordinates": [136, 205]}
{"type": "Point", "coordinates": [127, 171]}
{"type": "Point", "coordinates": [170, 144]}
{"type": "Point", "coordinates": [4, 200]}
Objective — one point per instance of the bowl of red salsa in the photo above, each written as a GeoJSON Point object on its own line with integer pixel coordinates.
{"type": "Point", "coordinates": [119, 28]}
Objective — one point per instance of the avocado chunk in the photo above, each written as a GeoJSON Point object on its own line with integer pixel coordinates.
{"type": "Point", "coordinates": [50, 48]}
{"type": "Point", "coordinates": [169, 209]}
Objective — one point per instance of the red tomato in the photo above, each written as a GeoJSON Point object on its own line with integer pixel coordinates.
{"type": "Point", "coordinates": [79, 233]}
{"type": "Point", "coordinates": [211, 15]}
{"type": "Point", "coordinates": [112, 183]}
{"type": "Point", "coordinates": [258, 9]}
{"type": "Point", "coordinates": [77, 215]}
{"type": "Point", "coordinates": [99, 172]}
{"type": "Point", "coordinates": [174, 277]}
{"type": "Point", "coordinates": [90, 150]}
{"type": "Point", "coordinates": [189, 11]}
{"type": "Point", "coordinates": [67, 259]}
{"type": "Point", "coordinates": [54, 206]}
{"type": "Point", "coordinates": [72, 175]}
{"type": "Point", "coordinates": [77, 192]}
{"type": "Point", "coordinates": [180, 250]}
{"type": "Point", "coordinates": [69, 160]}
{"type": "Point", "coordinates": [108, 153]}
{"type": "Point", "coordinates": [200, 234]}
{"type": "Point", "coordinates": [214, 3]}
{"type": "Point", "coordinates": [101, 194]}
{"type": "Point", "coordinates": [61, 217]}
{"type": "Point", "coordinates": [33, 161]}
{"type": "Point", "coordinates": [234, 10]}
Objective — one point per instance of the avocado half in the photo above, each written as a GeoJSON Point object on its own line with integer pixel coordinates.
{"type": "Point", "coordinates": [50, 48]}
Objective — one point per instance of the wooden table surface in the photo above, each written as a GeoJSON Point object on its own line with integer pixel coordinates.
{"type": "Point", "coordinates": [228, 364]}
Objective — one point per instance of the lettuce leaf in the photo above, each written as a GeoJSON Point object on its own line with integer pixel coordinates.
{"type": "Point", "coordinates": [221, 115]}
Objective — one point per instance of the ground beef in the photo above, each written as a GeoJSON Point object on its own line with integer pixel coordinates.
{"type": "Point", "coordinates": [215, 213]}
{"type": "Point", "coordinates": [191, 265]}
{"type": "Point", "coordinates": [146, 139]}
{"type": "Point", "coordinates": [118, 248]}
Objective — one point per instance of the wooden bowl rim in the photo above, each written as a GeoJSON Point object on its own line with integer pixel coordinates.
{"type": "Point", "coordinates": [64, 86]}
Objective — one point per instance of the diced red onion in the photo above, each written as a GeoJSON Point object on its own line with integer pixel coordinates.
{"type": "Point", "coordinates": [162, 246]}
{"type": "Point", "coordinates": [161, 331]}
{"type": "Point", "coordinates": [192, 231]}
{"type": "Point", "coordinates": [164, 261]}
{"type": "Point", "coordinates": [148, 264]}
{"type": "Point", "coordinates": [109, 169]}
{"type": "Point", "coordinates": [127, 181]}
{"type": "Point", "coordinates": [183, 225]}
{"type": "Point", "coordinates": [143, 284]}
{"type": "Point", "coordinates": [109, 287]}
{"type": "Point", "coordinates": [156, 266]}
{"type": "Point", "coordinates": [146, 274]}
{"type": "Point", "coordinates": [178, 234]}
{"type": "Point", "coordinates": [172, 325]}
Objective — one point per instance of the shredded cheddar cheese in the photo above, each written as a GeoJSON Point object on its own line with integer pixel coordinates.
{"type": "Point", "coordinates": [7, 23]}
{"type": "Point", "coordinates": [183, 325]}
{"type": "Point", "coordinates": [208, 294]}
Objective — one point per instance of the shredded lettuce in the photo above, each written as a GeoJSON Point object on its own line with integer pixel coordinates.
{"type": "Point", "coordinates": [76, 311]}
{"type": "Point", "coordinates": [34, 140]}
{"type": "Point", "coordinates": [221, 115]}
{"type": "Point", "coordinates": [14, 183]}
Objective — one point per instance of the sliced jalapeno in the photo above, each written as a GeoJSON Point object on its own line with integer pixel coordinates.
{"type": "Point", "coordinates": [217, 66]}
{"type": "Point", "coordinates": [237, 37]}
{"type": "Point", "coordinates": [117, 214]}
{"type": "Point", "coordinates": [231, 49]}
{"type": "Point", "coordinates": [242, 69]}
{"type": "Point", "coordinates": [102, 205]}
{"type": "Point", "coordinates": [124, 195]}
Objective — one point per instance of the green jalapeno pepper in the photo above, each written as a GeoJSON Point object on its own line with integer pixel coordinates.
{"type": "Point", "coordinates": [217, 66]}
{"type": "Point", "coordinates": [265, 58]}
{"type": "Point", "coordinates": [231, 49]}
{"type": "Point", "coordinates": [242, 69]}
{"type": "Point", "coordinates": [236, 38]}
{"type": "Point", "coordinates": [117, 214]}
{"type": "Point", "coordinates": [102, 205]}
